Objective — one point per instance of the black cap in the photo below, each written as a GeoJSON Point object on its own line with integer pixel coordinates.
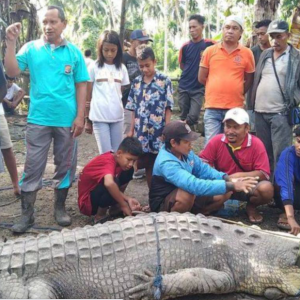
{"type": "Point", "coordinates": [297, 131]}
{"type": "Point", "coordinates": [179, 130]}
{"type": "Point", "coordinates": [278, 26]}
{"type": "Point", "coordinates": [140, 35]}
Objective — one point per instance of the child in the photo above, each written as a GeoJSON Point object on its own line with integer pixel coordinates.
{"type": "Point", "coordinates": [104, 96]}
{"type": "Point", "coordinates": [104, 179]}
{"type": "Point", "coordinates": [151, 101]}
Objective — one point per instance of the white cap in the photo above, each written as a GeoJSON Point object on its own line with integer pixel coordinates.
{"type": "Point", "coordinates": [238, 115]}
{"type": "Point", "coordinates": [235, 19]}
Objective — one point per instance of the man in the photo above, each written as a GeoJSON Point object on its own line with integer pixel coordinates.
{"type": "Point", "coordinates": [138, 37]}
{"type": "Point", "coordinates": [240, 155]}
{"type": "Point", "coordinates": [190, 91]}
{"type": "Point", "coordinates": [5, 141]}
{"type": "Point", "coordinates": [287, 187]}
{"type": "Point", "coordinates": [227, 71]}
{"type": "Point", "coordinates": [263, 44]}
{"type": "Point", "coordinates": [182, 182]}
{"type": "Point", "coordinates": [269, 103]}
{"type": "Point", "coordinates": [88, 57]}
{"type": "Point", "coordinates": [13, 96]}
{"type": "Point", "coordinates": [57, 102]}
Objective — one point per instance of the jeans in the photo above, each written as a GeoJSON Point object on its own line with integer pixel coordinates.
{"type": "Point", "coordinates": [213, 122]}
{"type": "Point", "coordinates": [252, 120]}
{"type": "Point", "coordinates": [108, 135]}
{"type": "Point", "coordinates": [190, 103]}
{"type": "Point", "coordinates": [276, 134]}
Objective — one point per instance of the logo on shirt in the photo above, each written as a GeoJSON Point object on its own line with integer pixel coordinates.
{"type": "Point", "coordinates": [68, 69]}
{"type": "Point", "coordinates": [191, 163]}
{"type": "Point", "coordinates": [237, 59]}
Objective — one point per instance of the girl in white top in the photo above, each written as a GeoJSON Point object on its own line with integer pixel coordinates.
{"type": "Point", "coordinates": [104, 93]}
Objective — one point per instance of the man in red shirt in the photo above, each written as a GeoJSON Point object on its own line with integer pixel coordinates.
{"type": "Point", "coordinates": [240, 154]}
{"type": "Point", "coordinates": [104, 179]}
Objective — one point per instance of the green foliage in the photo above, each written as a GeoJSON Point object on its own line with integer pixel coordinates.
{"type": "Point", "coordinates": [287, 7]}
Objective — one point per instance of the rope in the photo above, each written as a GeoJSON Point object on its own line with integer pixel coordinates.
{"type": "Point", "coordinates": [157, 283]}
{"type": "Point", "coordinates": [9, 203]}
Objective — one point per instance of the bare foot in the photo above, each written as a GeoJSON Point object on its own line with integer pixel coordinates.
{"type": "Point", "coordinates": [254, 216]}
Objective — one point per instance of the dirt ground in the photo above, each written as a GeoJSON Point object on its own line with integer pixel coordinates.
{"type": "Point", "coordinates": [87, 149]}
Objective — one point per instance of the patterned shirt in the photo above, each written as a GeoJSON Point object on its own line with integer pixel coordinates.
{"type": "Point", "coordinates": [150, 101]}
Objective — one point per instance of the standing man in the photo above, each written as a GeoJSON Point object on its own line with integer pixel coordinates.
{"type": "Point", "coordinates": [270, 104]}
{"type": "Point", "coordinates": [57, 101]}
{"type": "Point", "coordinates": [263, 44]}
{"type": "Point", "coordinates": [227, 70]}
{"type": "Point", "coordinates": [88, 58]}
{"type": "Point", "coordinates": [137, 37]}
{"type": "Point", "coordinates": [191, 92]}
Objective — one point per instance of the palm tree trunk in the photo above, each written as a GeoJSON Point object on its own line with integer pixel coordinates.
{"type": "Point", "coordinates": [166, 36]}
{"type": "Point", "coordinates": [265, 9]}
{"type": "Point", "coordinates": [111, 14]}
{"type": "Point", "coordinates": [122, 22]}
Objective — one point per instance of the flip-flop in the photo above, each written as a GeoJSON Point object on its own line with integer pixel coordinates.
{"type": "Point", "coordinates": [102, 220]}
{"type": "Point", "coordinates": [282, 223]}
{"type": "Point", "coordinates": [253, 214]}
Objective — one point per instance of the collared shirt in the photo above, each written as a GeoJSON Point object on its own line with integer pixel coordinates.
{"type": "Point", "coordinates": [224, 88]}
{"type": "Point", "coordinates": [252, 155]}
{"type": "Point", "coordinates": [150, 101]}
{"type": "Point", "coordinates": [268, 95]}
{"type": "Point", "coordinates": [54, 72]}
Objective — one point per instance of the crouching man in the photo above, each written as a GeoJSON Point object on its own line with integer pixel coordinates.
{"type": "Point", "coordinates": [240, 154]}
{"type": "Point", "coordinates": [104, 179]}
{"type": "Point", "coordinates": [182, 182]}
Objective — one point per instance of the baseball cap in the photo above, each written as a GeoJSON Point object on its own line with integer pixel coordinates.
{"type": "Point", "coordinates": [236, 19]}
{"type": "Point", "coordinates": [278, 26]}
{"type": "Point", "coordinates": [140, 35]}
{"type": "Point", "coordinates": [238, 115]}
{"type": "Point", "coordinates": [179, 130]}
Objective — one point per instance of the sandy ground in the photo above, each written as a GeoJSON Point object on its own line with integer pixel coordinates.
{"type": "Point", "coordinates": [44, 221]}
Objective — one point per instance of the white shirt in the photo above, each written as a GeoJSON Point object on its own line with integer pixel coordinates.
{"type": "Point", "coordinates": [12, 91]}
{"type": "Point", "coordinates": [88, 61]}
{"type": "Point", "coordinates": [1, 111]}
{"type": "Point", "coordinates": [106, 104]}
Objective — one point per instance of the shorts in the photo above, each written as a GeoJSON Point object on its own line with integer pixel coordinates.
{"type": "Point", "coordinates": [200, 202]}
{"type": "Point", "coordinates": [5, 141]}
{"type": "Point", "coordinates": [242, 196]}
{"type": "Point", "coordinates": [146, 161]}
{"type": "Point", "coordinates": [100, 197]}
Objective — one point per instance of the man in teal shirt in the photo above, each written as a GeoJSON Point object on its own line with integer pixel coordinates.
{"type": "Point", "coordinates": [58, 78]}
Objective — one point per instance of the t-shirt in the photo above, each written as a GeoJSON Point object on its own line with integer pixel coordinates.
{"type": "Point", "coordinates": [252, 155]}
{"type": "Point", "coordinates": [224, 88]}
{"type": "Point", "coordinates": [106, 104]}
{"type": "Point", "coordinates": [1, 109]}
{"type": "Point", "coordinates": [12, 91]}
{"type": "Point", "coordinates": [189, 57]}
{"type": "Point", "coordinates": [88, 61]}
{"type": "Point", "coordinates": [133, 69]}
{"type": "Point", "coordinates": [92, 175]}
{"type": "Point", "coordinates": [54, 72]}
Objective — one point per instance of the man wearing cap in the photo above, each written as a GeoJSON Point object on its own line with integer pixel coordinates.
{"type": "Point", "coordinates": [240, 155]}
{"type": "Point", "coordinates": [272, 101]}
{"type": "Point", "coordinates": [226, 70]}
{"type": "Point", "coordinates": [190, 91]}
{"type": "Point", "coordinates": [181, 182]}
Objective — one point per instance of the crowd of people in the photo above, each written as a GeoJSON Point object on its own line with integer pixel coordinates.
{"type": "Point", "coordinates": [127, 104]}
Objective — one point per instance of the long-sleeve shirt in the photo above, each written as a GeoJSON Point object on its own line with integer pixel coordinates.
{"type": "Point", "coordinates": [287, 174]}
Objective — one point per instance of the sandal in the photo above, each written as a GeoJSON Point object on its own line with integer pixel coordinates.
{"type": "Point", "coordinates": [282, 222]}
{"type": "Point", "coordinates": [254, 216]}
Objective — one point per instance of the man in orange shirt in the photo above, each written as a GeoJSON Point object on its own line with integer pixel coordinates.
{"type": "Point", "coordinates": [227, 70]}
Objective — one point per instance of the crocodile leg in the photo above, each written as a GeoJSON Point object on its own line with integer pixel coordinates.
{"type": "Point", "coordinates": [184, 282]}
{"type": "Point", "coordinates": [12, 287]}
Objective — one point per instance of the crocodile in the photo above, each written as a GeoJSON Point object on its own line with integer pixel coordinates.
{"type": "Point", "coordinates": [165, 255]}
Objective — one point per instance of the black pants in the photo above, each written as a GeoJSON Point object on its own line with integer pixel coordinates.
{"type": "Point", "coordinates": [100, 197]}
{"type": "Point", "coordinates": [278, 200]}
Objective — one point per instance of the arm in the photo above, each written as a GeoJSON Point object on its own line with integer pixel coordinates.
{"type": "Point", "coordinates": [18, 98]}
{"type": "Point", "coordinates": [78, 124]}
{"type": "Point", "coordinates": [131, 130]}
{"type": "Point", "coordinates": [248, 81]}
{"type": "Point", "coordinates": [181, 58]}
{"type": "Point", "coordinates": [3, 88]}
{"type": "Point", "coordinates": [259, 174]}
{"type": "Point", "coordinates": [202, 75]}
{"type": "Point", "coordinates": [131, 105]}
{"type": "Point", "coordinates": [290, 214]}
{"type": "Point", "coordinates": [115, 192]}
{"type": "Point", "coordinates": [88, 122]}
{"type": "Point", "coordinates": [10, 61]}
{"type": "Point", "coordinates": [168, 115]}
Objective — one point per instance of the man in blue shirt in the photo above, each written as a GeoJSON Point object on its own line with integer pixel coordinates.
{"type": "Point", "coordinates": [287, 187]}
{"type": "Point", "coordinates": [58, 78]}
{"type": "Point", "coordinates": [181, 182]}
{"type": "Point", "coordinates": [191, 92]}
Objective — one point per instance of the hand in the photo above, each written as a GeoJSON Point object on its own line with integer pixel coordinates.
{"type": "Point", "coordinates": [245, 184]}
{"type": "Point", "coordinates": [130, 133]}
{"type": "Point", "coordinates": [77, 126]}
{"type": "Point", "coordinates": [134, 204]}
{"type": "Point", "coordinates": [13, 31]}
{"type": "Point", "coordinates": [13, 105]}
{"type": "Point", "coordinates": [88, 127]}
{"type": "Point", "coordinates": [295, 228]}
{"type": "Point", "coordinates": [126, 209]}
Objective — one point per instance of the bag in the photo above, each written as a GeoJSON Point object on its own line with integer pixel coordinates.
{"type": "Point", "coordinates": [294, 112]}
{"type": "Point", "coordinates": [234, 158]}
{"type": "Point", "coordinates": [294, 116]}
